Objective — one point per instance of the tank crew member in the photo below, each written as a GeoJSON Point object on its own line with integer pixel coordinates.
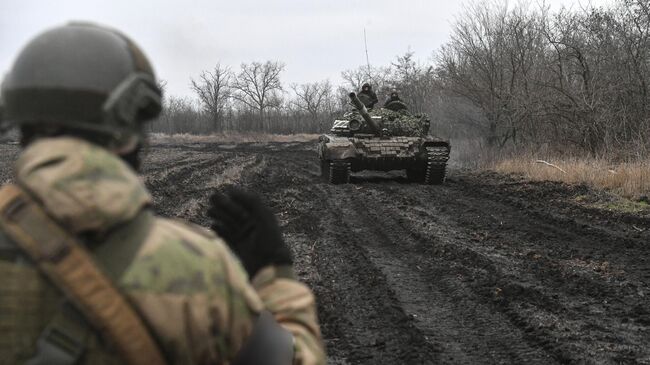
{"type": "Point", "coordinates": [394, 102]}
{"type": "Point", "coordinates": [367, 96]}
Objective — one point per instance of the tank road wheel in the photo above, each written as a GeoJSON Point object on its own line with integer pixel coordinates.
{"type": "Point", "coordinates": [436, 168]}
{"type": "Point", "coordinates": [339, 172]}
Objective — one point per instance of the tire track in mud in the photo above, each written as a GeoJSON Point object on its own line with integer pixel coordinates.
{"type": "Point", "coordinates": [368, 319]}
{"type": "Point", "coordinates": [446, 311]}
{"type": "Point", "coordinates": [537, 288]}
{"type": "Point", "coordinates": [473, 271]}
{"type": "Point", "coordinates": [388, 329]}
{"type": "Point", "coordinates": [361, 319]}
{"type": "Point", "coordinates": [183, 186]}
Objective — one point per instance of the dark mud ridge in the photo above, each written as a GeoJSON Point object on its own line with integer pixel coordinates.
{"type": "Point", "coordinates": [482, 270]}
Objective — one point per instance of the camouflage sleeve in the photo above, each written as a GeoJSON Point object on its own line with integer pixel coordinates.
{"type": "Point", "coordinates": [193, 293]}
{"type": "Point", "coordinates": [294, 307]}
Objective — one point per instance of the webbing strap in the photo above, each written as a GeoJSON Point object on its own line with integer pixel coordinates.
{"type": "Point", "coordinates": [63, 341]}
{"type": "Point", "coordinates": [71, 268]}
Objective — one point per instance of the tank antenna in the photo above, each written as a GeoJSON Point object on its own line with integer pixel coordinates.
{"type": "Point", "coordinates": [365, 41]}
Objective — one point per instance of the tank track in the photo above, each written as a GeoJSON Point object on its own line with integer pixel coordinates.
{"type": "Point", "coordinates": [436, 168]}
{"type": "Point", "coordinates": [336, 172]}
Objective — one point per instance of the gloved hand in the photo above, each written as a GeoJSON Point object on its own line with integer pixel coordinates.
{"type": "Point", "coordinates": [249, 228]}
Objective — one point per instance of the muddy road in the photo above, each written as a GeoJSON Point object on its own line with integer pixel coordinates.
{"type": "Point", "coordinates": [482, 270]}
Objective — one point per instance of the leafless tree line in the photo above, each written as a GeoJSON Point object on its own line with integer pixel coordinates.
{"type": "Point", "coordinates": [513, 75]}
{"type": "Point", "coordinates": [252, 99]}
{"type": "Point", "coordinates": [571, 80]}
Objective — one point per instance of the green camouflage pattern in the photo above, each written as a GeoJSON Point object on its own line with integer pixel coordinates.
{"type": "Point", "coordinates": [188, 286]}
{"type": "Point", "coordinates": [397, 123]}
{"type": "Point", "coordinates": [291, 311]}
{"type": "Point", "coordinates": [402, 123]}
{"type": "Point", "coordinates": [82, 185]}
{"type": "Point", "coordinates": [185, 280]}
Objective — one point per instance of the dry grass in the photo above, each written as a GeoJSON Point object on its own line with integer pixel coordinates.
{"type": "Point", "coordinates": [630, 180]}
{"type": "Point", "coordinates": [472, 153]}
{"type": "Point", "coordinates": [230, 138]}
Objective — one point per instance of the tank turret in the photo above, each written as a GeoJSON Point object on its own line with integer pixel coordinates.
{"type": "Point", "coordinates": [364, 113]}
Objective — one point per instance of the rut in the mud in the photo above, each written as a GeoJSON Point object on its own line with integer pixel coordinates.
{"type": "Point", "coordinates": [480, 270]}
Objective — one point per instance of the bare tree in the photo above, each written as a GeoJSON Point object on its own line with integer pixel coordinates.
{"type": "Point", "coordinates": [214, 90]}
{"type": "Point", "coordinates": [313, 98]}
{"type": "Point", "coordinates": [376, 76]}
{"type": "Point", "coordinates": [415, 82]}
{"type": "Point", "coordinates": [179, 116]}
{"type": "Point", "coordinates": [489, 61]}
{"type": "Point", "coordinates": [568, 79]}
{"type": "Point", "coordinates": [257, 86]}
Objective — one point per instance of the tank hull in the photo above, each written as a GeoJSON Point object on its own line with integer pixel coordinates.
{"type": "Point", "coordinates": [383, 154]}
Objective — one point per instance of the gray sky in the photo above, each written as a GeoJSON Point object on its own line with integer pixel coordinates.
{"type": "Point", "coordinates": [316, 39]}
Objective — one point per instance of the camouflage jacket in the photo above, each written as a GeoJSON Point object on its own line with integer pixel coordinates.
{"type": "Point", "coordinates": [188, 287]}
{"type": "Point", "coordinates": [368, 98]}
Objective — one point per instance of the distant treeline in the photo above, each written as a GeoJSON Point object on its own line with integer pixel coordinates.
{"type": "Point", "coordinates": [573, 80]}
{"type": "Point", "coordinates": [255, 100]}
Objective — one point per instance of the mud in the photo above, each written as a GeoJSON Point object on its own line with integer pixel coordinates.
{"type": "Point", "coordinates": [484, 269]}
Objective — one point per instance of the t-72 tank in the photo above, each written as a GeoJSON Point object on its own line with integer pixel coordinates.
{"type": "Point", "coordinates": [382, 140]}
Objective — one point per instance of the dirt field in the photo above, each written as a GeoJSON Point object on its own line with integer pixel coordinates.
{"type": "Point", "coordinates": [484, 269]}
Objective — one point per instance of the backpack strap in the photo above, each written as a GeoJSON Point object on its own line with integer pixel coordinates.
{"type": "Point", "coordinates": [63, 341]}
{"type": "Point", "coordinates": [61, 258]}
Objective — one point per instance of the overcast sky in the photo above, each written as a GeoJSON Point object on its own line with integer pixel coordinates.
{"type": "Point", "coordinates": [316, 39]}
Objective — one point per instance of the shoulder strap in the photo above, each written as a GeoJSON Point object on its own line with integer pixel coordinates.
{"type": "Point", "coordinates": [63, 341]}
{"type": "Point", "coordinates": [70, 267]}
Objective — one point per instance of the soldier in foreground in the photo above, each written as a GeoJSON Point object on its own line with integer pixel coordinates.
{"type": "Point", "coordinates": [89, 274]}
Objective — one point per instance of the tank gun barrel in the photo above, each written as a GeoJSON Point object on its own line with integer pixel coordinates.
{"type": "Point", "coordinates": [364, 113]}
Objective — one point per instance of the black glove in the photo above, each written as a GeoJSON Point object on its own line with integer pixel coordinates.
{"type": "Point", "coordinates": [249, 228]}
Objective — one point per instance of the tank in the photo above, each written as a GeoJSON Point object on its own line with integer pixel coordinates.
{"type": "Point", "coordinates": [382, 139]}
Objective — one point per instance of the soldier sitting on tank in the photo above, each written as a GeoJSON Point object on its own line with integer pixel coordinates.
{"type": "Point", "coordinates": [367, 96]}
{"type": "Point", "coordinates": [394, 102]}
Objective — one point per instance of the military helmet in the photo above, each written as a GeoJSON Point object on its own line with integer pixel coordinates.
{"type": "Point", "coordinates": [366, 86]}
{"type": "Point", "coordinates": [84, 78]}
